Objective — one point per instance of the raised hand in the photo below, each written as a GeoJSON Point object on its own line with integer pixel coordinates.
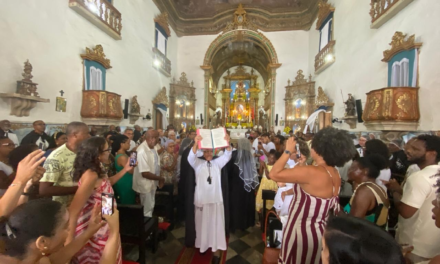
{"type": "Point", "coordinates": [197, 139]}
{"type": "Point", "coordinates": [28, 167]}
{"type": "Point", "coordinates": [95, 222]}
{"type": "Point", "coordinates": [291, 144]}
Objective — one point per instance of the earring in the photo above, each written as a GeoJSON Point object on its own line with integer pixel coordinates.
{"type": "Point", "coordinates": [42, 253]}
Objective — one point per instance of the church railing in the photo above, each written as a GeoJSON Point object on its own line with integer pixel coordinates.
{"type": "Point", "coordinates": [325, 57]}
{"type": "Point", "coordinates": [383, 10]}
{"type": "Point", "coordinates": [101, 13]}
{"type": "Point", "coordinates": [161, 62]}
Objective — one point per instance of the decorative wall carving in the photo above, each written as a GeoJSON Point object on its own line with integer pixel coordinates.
{"type": "Point", "coordinates": [101, 104]}
{"type": "Point", "coordinates": [26, 96]}
{"type": "Point", "coordinates": [98, 55]}
{"type": "Point", "coordinates": [162, 98]}
{"type": "Point", "coordinates": [240, 21]}
{"type": "Point", "coordinates": [321, 99]}
{"type": "Point", "coordinates": [199, 17]}
{"type": "Point", "coordinates": [182, 102]}
{"type": "Point", "coordinates": [324, 10]}
{"type": "Point", "coordinates": [399, 44]}
{"type": "Point", "coordinates": [299, 100]}
{"type": "Point", "coordinates": [162, 20]}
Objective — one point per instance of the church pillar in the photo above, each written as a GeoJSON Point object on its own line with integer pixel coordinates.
{"type": "Point", "coordinates": [208, 71]}
{"type": "Point", "coordinates": [272, 69]}
{"type": "Point", "coordinates": [172, 109]}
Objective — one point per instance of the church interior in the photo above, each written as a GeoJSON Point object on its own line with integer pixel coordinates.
{"type": "Point", "coordinates": [366, 66]}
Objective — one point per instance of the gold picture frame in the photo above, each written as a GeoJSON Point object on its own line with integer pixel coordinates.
{"type": "Point", "coordinates": [61, 104]}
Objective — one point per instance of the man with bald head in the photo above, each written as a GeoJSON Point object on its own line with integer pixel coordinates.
{"type": "Point", "coordinates": [146, 176]}
{"type": "Point", "coordinates": [38, 136]}
{"type": "Point", "coordinates": [57, 180]}
{"type": "Point", "coordinates": [5, 131]}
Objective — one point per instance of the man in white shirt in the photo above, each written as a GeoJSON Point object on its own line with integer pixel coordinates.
{"type": "Point", "coordinates": [130, 134]}
{"type": "Point", "coordinates": [266, 145]}
{"type": "Point", "coordinates": [146, 176]}
{"type": "Point", "coordinates": [413, 202]}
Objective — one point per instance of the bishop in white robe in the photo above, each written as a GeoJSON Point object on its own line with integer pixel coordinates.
{"type": "Point", "coordinates": [208, 199]}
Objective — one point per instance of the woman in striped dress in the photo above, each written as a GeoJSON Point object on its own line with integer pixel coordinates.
{"type": "Point", "coordinates": [315, 194]}
{"type": "Point", "coordinates": [92, 182]}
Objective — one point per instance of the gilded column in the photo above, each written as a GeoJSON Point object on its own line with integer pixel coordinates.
{"type": "Point", "coordinates": [208, 72]}
{"type": "Point", "coordinates": [272, 68]}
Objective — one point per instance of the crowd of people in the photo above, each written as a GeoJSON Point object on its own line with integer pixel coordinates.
{"type": "Point", "coordinates": [339, 198]}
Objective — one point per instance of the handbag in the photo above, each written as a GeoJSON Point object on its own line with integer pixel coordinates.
{"type": "Point", "coordinates": [270, 255]}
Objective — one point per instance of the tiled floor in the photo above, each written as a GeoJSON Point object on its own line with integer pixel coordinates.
{"type": "Point", "coordinates": [244, 247]}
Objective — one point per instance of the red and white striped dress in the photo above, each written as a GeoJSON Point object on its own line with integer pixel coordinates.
{"type": "Point", "coordinates": [307, 219]}
{"type": "Point", "coordinates": [92, 251]}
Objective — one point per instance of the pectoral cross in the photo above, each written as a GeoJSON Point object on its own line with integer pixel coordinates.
{"type": "Point", "coordinates": [61, 92]}
{"type": "Point", "coordinates": [209, 172]}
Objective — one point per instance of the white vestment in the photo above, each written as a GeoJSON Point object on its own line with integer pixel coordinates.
{"type": "Point", "coordinates": [208, 202]}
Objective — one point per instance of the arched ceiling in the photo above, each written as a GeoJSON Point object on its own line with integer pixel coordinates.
{"type": "Point", "coordinates": [240, 53]}
{"type": "Point", "coordinates": [205, 17]}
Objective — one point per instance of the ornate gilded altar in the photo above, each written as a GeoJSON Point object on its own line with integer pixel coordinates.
{"type": "Point", "coordinates": [182, 103]}
{"type": "Point", "coordinates": [99, 106]}
{"type": "Point", "coordinates": [322, 101]}
{"type": "Point", "coordinates": [240, 96]}
{"type": "Point", "coordinates": [299, 100]}
{"type": "Point", "coordinates": [395, 108]}
{"type": "Point", "coordinates": [26, 97]}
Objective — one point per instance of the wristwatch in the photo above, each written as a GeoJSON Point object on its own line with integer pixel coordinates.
{"type": "Point", "coordinates": [287, 152]}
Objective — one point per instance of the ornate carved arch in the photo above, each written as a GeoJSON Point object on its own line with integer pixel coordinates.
{"type": "Point", "coordinates": [162, 98]}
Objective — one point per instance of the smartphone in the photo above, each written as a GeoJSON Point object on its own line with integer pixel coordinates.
{"type": "Point", "coordinates": [133, 158]}
{"type": "Point", "coordinates": [107, 203]}
{"type": "Point", "coordinates": [298, 153]}
{"type": "Point", "coordinates": [40, 146]}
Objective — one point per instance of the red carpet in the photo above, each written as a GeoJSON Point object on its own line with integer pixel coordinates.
{"type": "Point", "coordinates": [193, 256]}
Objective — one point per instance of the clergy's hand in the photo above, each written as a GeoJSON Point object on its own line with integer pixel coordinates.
{"type": "Point", "coordinates": [197, 139]}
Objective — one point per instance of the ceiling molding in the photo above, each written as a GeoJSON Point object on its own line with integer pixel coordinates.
{"type": "Point", "coordinates": [299, 15]}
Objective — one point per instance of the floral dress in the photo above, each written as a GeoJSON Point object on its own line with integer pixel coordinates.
{"type": "Point", "coordinates": [92, 251]}
{"type": "Point", "coordinates": [166, 160]}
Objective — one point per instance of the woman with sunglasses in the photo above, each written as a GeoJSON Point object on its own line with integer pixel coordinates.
{"type": "Point", "coordinates": [92, 182]}
{"type": "Point", "coordinates": [6, 172]}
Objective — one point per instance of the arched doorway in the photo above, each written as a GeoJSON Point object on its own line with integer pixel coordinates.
{"type": "Point", "coordinates": [240, 45]}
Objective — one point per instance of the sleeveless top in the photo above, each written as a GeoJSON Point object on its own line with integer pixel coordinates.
{"type": "Point", "coordinates": [308, 217]}
{"type": "Point", "coordinates": [379, 214]}
{"type": "Point", "coordinates": [92, 251]}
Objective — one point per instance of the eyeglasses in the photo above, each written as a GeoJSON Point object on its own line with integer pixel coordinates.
{"type": "Point", "coordinates": [105, 150]}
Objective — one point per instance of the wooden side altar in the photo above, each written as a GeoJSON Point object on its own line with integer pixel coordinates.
{"type": "Point", "coordinates": [182, 103]}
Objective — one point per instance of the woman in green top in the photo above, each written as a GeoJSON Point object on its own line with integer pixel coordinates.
{"type": "Point", "coordinates": [124, 187]}
{"type": "Point", "coordinates": [369, 200]}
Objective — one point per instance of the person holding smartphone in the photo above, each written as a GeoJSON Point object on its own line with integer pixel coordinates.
{"type": "Point", "coordinates": [92, 183]}
{"type": "Point", "coordinates": [124, 192]}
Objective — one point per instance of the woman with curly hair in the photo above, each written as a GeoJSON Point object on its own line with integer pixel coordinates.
{"type": "Point", "coordinates": [92, 182]}
{"type": "Point", "coordinates": [315, 193]}
{"type": "Point", "coordinates": [377, 147]}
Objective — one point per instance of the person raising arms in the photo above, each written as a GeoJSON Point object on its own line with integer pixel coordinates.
{"type": "Point", "coordinates": [315, 193]}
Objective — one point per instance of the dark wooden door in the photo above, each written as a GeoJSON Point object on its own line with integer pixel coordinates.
{"type": "Point", "coordinates": [159, 120]}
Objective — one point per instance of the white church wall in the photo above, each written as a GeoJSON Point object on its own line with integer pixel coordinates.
{"type": "Point", "coordinates": [292, 48]}
{"type": "Point", "coordinates": [52, 36]}
{"type": "Point", "coordinates": [358, 68]}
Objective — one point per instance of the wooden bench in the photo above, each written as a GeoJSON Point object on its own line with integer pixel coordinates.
{"type": "Point", "coordinates": [135, 228]}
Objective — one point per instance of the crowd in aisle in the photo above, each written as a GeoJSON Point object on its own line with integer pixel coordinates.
{"type": "Point", "coordinates": [336, 197]}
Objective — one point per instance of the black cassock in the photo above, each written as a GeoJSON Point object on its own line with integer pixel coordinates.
{"type": "Point", "coordinates": [187, 185]}
{"type": "Point", "coordinates": [241, 202]}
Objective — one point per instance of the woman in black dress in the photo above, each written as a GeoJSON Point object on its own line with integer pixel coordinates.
{"type": "Point", "coordinates": [243, 179]}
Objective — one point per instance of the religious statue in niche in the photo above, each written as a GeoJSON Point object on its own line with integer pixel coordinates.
{"type": "Point", "coordinates": [135, 108]}
{"type": "Point", "coordinates": [26, 86]}
{"type": "Point", "coordinates": [350, 106]}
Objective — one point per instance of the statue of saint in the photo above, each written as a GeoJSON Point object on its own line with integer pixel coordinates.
{"type": "Point", "coordinates": [135, 107]}
{"type": "Point", "coordinates": [350, 109]}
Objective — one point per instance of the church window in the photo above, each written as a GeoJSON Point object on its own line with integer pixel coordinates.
{"type": "Point", "coordinates": [402, 69]}
{"type": "Point", "coordinates": [94, 75]}
{"type": "Point", "coordinates": [325, 32]}
{"type": "Point", "coordinates": [161, 39]}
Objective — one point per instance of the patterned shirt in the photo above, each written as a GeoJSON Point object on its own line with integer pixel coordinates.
{"type": "Point", "coordinates": [59, 170]}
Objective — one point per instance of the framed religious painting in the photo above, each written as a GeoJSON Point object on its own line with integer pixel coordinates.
{"type": "Point", "coordinates": [61, 104]}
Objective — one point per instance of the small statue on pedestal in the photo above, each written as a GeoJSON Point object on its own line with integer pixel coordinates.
{"type": "Point", "coordinates": [350, 109]}
{"type": "Point", "coordinates": [135, 108]}
{"type": "Point", "coordinates": [26, 86]}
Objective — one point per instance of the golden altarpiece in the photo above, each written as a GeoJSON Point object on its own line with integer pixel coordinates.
{"type": "Point", "coordinates": [299, 100]}
{"type": "Point", "coordinates": [98, 105]}
{"type": "Point", "coordinates": [240, 96]}
{"type": "Point", "coordinates": [182, 103]}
